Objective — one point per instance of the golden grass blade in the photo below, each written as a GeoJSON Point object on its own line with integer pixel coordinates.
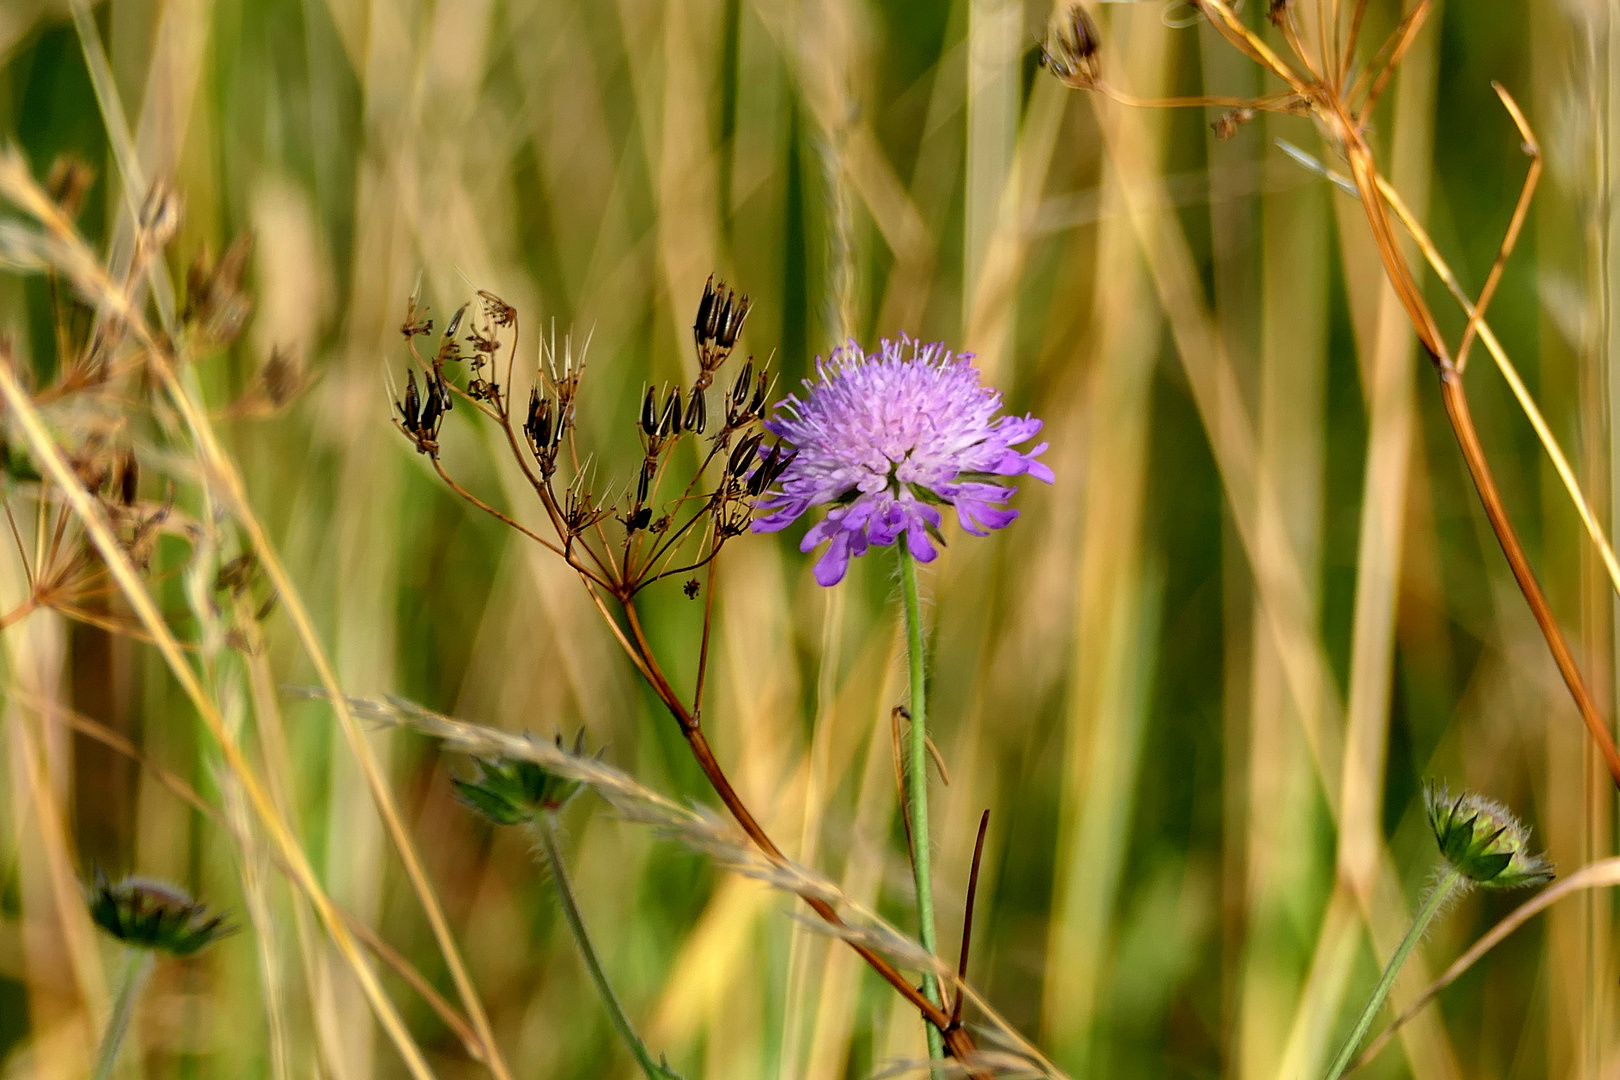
{"type": "Point", "coordinates": [95, 524]}
{"type": "Point", "coordinates": [17, 184]}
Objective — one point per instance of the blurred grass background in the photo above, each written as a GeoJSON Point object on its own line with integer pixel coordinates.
{"type": "Point", "coordinates": [1198, 685]}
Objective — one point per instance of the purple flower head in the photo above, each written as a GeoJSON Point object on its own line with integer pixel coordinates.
{"type": "Point", "coordinates": [889, 438]}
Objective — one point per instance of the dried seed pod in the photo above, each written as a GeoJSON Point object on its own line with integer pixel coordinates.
{"type": "Point", "coordinates": [670, 422]}
{"type": "Point", "coordinates": [743, 454]}
{"type": "Point", "coordinates": [1229, 122]}
{"type": "Point", "coordinates": [1070, 51]}
{"type": "Point", "coordinates": [129, 477]}
{"type": "Point", "coordinates": [649, 469]}
{"type": "Point", "coordinates": [69, 181]}
{"type": "Point", "coordinates": [649, 413]}
{"type": "Point", "coordinates": [697, 411]}
{"type": "Point", "coordinates": [1278, 12]}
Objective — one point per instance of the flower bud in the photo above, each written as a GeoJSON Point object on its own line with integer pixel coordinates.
{"type": "Point", "coordinates": [1482, 841]}
{"type": "Point", "coordinates": [151, 915]}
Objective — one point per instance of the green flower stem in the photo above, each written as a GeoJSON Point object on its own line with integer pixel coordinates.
{"type": "Point", "coordinates": [545, 825]}
{"type": "Point", "coordinates": [1431, 907]}
{"type": "Point", "coordinates": [917, 782]}
{"type": "Point", "coordinates": [136, 969]}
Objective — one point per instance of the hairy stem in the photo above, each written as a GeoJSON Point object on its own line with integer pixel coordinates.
{"type": "Point", "coordinates": [1431, 907]}
{"type": "Point", "coordinates": [138, 967]}
{"type": "Point", "coordinates": [545, 825]}
{"type": "Point", "coordinates": [917, 781]}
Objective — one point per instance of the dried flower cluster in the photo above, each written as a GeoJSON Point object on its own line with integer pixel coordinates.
{"type": "Point", "coordinates": [655, 525]}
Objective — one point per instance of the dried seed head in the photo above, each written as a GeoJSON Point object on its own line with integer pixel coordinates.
{"type": "Point", "coordinates": [720, 317]}
{"type": "Point", "coordinates": [511, 791]}
{"type": "Point", "coordinates": [1482, 841]}
{"type": "Point", "coordinates": [69, 181]}
{"type": "Point", "coordinates": [1278, 12]}
{"type": "Point", "coordinates": [1228, 123]}
{"type": "Point", "coordinates": [160, 215]}
{"type": "Point", "coordinates": [497, 310]}
{"type": "Point", "coordinates": [150, 915]}
{"type": "Point", "coordinates": [1070, 50]}
{"type": "Point", "coordinates": [217, 308]}
{"type": "Point", "coordinates": [691, 588]}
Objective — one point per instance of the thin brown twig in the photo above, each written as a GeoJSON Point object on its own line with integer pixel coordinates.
{"type": "Point", "coordinates": [967, 918]}
{"type": "Point", "coordinates": [1520, 210]}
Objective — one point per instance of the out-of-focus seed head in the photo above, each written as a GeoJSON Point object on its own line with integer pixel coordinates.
{"type": "Point", "coordinates": [512, 791]}
{"type": "Point", "coordinates": [1482, 841]}
{"type": "Point", "coordinates": [1229, 122]}
{"type": "Point", "coordinates": [69, 181]}
{"type": "Point", "coordinates": [151, 915]}
{"type": "Point", "coordinates": [691, 588]}
{"type": "Point", "coordinates": [160, 215]}
{"type": "Point", "coordinates": [1278, 12]}
{"type": "Point", "coordinates": [1071, 48]}
{"type": "Point", "coordinates": [217, 307]}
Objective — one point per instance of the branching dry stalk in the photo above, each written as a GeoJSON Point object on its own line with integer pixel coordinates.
{"type": "Point", "coordinates": [618, 546]}
{"type": "Point", "coordinates": [1343, 110]}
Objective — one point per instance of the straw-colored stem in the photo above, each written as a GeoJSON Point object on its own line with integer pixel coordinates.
{"type": "Point", "coordinates": [545, 826]}
{"type": "Point", "coordinates": [917, 780]}
{"type": "Point", "coordinates": [1431, 907]}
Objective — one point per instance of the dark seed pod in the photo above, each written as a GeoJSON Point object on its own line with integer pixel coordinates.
{"type": "Point", "coordinates": [744, 453]}
{"type": "Point", "coordinates": [639, 520]}
{"type": "Point", "coordinates": [670, 422]}
{"type": "Point", "coordinates": [702, 326]}
{"type": "Point", "coordinates": [129, 478]}
{"type": "Point", "coordinates": [740, 388]}
{"type": "Point", "coordinates": [697, 411]}
{"type": "Point", "coordinates": [757, 406]}
{"type": "Point", "coordinates": [455, 321]}
{"type": "Point", "coordinates": [649, 468]}
{"type": "Point", "coordinates": [649, 413]}
{"type": "Point", "coordinates": [410, 409]}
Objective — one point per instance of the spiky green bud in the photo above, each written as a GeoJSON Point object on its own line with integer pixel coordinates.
{"type": "Point", "coordinates": [150, 915]}
{"type": "Point", "coordinates": [1482, 841]}
{"type": "Point", "coordinates": [511, 791]}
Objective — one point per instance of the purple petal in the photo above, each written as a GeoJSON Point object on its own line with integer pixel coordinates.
{"type": "Point", "coordinates": [831, 566]}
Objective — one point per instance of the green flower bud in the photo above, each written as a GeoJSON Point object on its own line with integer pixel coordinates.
{"type": "Point", "coordinates": [1482, 841]}
{"type": "Point", "coordinates": [511, 791]}
{"type": "Point", "coordinates": [151, 915]}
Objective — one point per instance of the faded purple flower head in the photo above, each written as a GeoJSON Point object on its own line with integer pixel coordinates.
{"type": "Point", "coordinates": [889, 438]}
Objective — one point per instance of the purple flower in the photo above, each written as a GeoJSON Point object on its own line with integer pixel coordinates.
{"type": "Point", "coordinates": [888, 439]}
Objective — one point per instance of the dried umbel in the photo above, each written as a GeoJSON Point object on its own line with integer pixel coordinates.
{"type": "Point", "coordinates": [150, 915]}
{"type": "Point", "coordinates": [1482, 841]}
{"type": "Point", "coordinates": [513, 791]}
{"type": "Point", "coordinates": [664, 520]}
{"type": "Point", "coordinates": [1071, 48]}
